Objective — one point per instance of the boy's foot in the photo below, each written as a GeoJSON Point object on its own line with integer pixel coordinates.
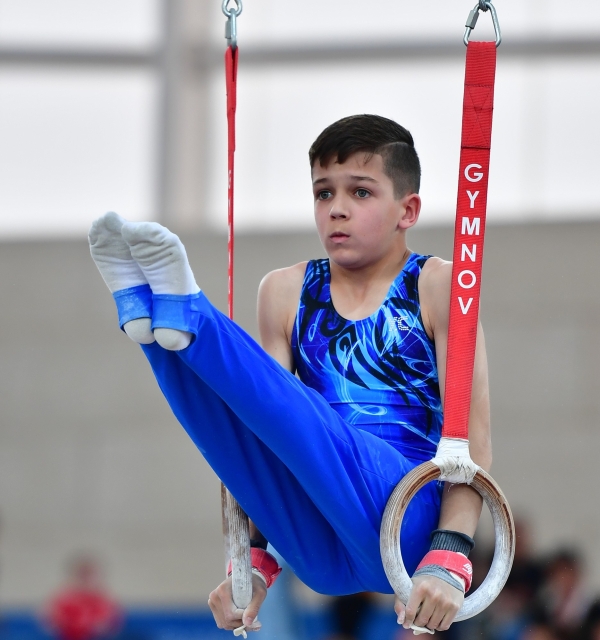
{"type": "Point", "coordinates": [118, 269]}
{"type": "Point", "coordinates": [163, 260]}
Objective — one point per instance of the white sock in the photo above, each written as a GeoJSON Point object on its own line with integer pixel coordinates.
{"type": "Point", "coordinates": [140, 330]}
{"type": "Point", "coordinates": [118, 269]}
{"type": "Point", "coordinates": [163, 260]}
{"type": "Point", "coordinates": [112, 255]}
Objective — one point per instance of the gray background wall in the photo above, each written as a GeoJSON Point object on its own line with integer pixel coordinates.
{"type": "Point", "coordinates": [91, 458]}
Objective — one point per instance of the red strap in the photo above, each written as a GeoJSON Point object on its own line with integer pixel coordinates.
{"type": "Point", "coordinates": [264, 563]}
{"type": "Point", "coordinates": [468, 235]}
{"type": "Point", "coordinates": [231, 64]}
{"type": "Point", "coordinates": [451, 560]}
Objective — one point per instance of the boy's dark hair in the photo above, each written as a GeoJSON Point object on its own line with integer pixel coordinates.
{"type": "Point", "coordinates": [373, 135]}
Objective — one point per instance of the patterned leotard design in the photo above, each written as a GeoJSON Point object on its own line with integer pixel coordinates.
{"type": "Point", "coordinates": [379, 373]}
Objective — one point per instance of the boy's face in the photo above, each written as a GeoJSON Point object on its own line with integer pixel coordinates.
{"type": "Point", "coordinates": [358, 218]}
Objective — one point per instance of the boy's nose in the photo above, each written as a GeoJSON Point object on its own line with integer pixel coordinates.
{"type": "Point", "coordinates": [337, 211]}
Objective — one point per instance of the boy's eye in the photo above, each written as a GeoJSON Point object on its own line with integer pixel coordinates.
{"type": "Point", "coordinates": [323, 195]}
{"type": "Point", "coordinates": [362, 193]}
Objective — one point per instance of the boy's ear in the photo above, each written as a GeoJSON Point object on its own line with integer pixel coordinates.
{"type": "Point", "coordinates": [411, 206]}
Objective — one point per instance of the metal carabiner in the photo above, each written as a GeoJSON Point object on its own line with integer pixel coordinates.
{"type": "Point", "coordinates": [474, 15]}
{"type": "Point", "coordinates": [231, 26]}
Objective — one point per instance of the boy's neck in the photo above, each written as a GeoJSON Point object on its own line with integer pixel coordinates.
{"type": "Point", "coordinates": [358, 292]}
{"type": "Point", "coordinates": [386, 268]}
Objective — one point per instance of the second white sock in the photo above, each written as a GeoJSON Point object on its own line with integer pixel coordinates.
{"type": "Point", "coordinates": [162, 258]}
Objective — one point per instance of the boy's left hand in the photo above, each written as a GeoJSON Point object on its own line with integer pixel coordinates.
{"type": "Point", "coordinates": [433, 604]}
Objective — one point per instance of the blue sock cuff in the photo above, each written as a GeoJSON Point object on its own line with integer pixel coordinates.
{"type": "Point", "coordinates": [176, 312]}
{"type": "Point", "coordinates": [133, 303]}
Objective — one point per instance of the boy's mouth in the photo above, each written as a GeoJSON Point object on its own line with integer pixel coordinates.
{"type": "Point", "coordinates": [338, 236]}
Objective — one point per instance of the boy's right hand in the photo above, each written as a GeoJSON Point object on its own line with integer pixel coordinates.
{"type": "Point", "coordinates": [227, 615]}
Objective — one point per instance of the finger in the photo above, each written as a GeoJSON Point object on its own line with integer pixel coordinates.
{"type": "Point", "coordinates": [400, 609]}
{"type": "Point", "coordinates": [250, 613]}
{"type": "Point", "coordinates": [228, 624]}
{"type": "Point", "coordinates": [229, 615]}
{"type": "Point", "coordinates": [445, 623]}
{"type": "Point", "coordinates": [216, 611]}
{"type": "Point", "coordinates": [256, 626]}
{"type": "Point", "coordinates": [259, 593]}
{"type": "Point", "coordinates": [447, 620]}
{"type": "Point", "coordinates": [233, 619]}
{"type": "Point", "coordinates": [425, 612]}
{"type": "Point", "coordinates": [412, 607]}
{"type": "Point", "coordinates": [436, 617]}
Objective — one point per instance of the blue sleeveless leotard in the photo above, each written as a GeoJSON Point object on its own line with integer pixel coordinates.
{"type": "Point", "coordinates": [312, 464]}
{"type": "Point", "coordinates": [380, 373]}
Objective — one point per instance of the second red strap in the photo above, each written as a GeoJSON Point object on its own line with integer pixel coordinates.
{"type": "Point", "coordinates": [469, 235]}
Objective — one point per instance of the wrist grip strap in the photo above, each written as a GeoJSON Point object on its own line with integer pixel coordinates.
{"type": "Point", "coordinates": [455, 562]}
{"type": "Point", "coordinates": [264, 563]}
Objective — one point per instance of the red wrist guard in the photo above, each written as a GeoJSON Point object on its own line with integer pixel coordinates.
{"type": "Point", "coordinates": [452, 561]}
{"type": "Point", "coordinates": [264, 563]}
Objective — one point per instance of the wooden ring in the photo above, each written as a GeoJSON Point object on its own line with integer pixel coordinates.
{"type": "Point", "coordinates": [504, 527]}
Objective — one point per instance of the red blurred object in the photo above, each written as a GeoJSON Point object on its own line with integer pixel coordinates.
{"type": "Point", "coordinates": [83, 610]}
{"type": "Point", "coordinates": [77, 615]}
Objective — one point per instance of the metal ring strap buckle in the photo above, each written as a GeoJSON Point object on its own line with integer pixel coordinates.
{"type": "Point", "coordinates": [473, 17]}
{"type": "Point", "coordinates": [504, 527]}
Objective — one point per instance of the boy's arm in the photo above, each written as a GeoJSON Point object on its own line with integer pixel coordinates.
{"type": "Point", "coordinates": [434, 603]}
{"type": "Point", "coordinates": [434, 293]}
{"type": "Point", "coordinates": [278, 297]}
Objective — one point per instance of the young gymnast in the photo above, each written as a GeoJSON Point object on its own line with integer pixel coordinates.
{"type": "Point", "coordinates": [313, 460]}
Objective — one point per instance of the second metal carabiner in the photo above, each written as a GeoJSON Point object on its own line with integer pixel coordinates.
{"type": "Point", "coordinates": [472, 21]}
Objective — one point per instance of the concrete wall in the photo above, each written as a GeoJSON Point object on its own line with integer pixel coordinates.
{"type": "Point", "coordinates": [91, 458]}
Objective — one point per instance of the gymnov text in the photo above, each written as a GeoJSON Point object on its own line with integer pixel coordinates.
{"type": "Point", "coordinates": [471, 239]}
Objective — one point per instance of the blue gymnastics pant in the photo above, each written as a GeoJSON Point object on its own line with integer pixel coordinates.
{"type": "Point", "coordinates": [314, 485]}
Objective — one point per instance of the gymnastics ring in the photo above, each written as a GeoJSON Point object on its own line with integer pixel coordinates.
{"type": "Point", "coordinates": [237, 537]}
{"type": "Point", "coordinates": [504, 527]}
